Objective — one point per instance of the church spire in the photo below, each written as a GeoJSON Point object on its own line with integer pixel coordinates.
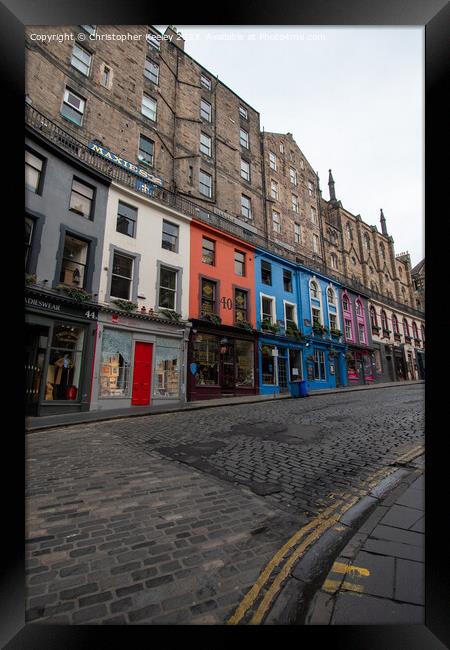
{"type": "Point", "coordinates": [383, 223]}
{"type": "Point", "coordinates": [331, 186]}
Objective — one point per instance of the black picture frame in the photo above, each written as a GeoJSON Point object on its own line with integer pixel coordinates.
{"type": "Point", "coordinates": [434, 16]}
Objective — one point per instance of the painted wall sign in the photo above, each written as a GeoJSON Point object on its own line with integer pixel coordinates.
{"type": "Point", "coordinates": [126, 164]}
{"type": "Point", "coordinates": [72, 310]}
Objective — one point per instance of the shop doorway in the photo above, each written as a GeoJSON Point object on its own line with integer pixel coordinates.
{"type": "Point", "coordinates": [142, 374]}
{"type": "Point", "coordinates": [282, 374]}
{"type": "Point", "coordinates": [36, 341]}
{"type": "Point", "coordinates": [400, 367]}
{"type": "Point", "coordinates": [227, 364]}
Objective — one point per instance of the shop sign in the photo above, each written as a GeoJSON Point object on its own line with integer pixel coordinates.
{"type": "Point", "coordinates": [125, 164]}
{"type": "Point", "coordinates": [58, 308]}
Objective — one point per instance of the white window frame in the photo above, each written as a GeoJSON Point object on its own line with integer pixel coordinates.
{"type": "Point", "coordinates": [310, 188]}
{"type": "Point", "coordinates": [293, 176]}
{"type": "Point", "coordinates": [273, 314]}
{"type": "Point", "coordinates": [272, 161]}
{"type": "Point", "coordinates": [147, 75]}
{"type": "Point", "coordinates": [297, 233]}
{"type": "Point", "coordinates": [276, 222]}
{"type": "Point", "coordinates": [319, 299]}
{"type": "Point", "coordinates": [294, 203]}
{"type": "Point", "coordinates": [291, 304]}
{"type": "Point", "coordinates": [274, 189]}
{"type": "Point", "coordinates": [335, 305]}
{"type": "Point", "coordinates": [133, 260]}
{"type": "Point", "coordinates": [150, 110]}
{"type": "Point", "coordinates": [200, 184]}
{"type": "Point", "coordinates": [77, 58]}
{"type": "Point", "coordinates": [249, 216]}
{"type": "Point", "coordinates": [205, 81]}
{"type": "Point", "coordinates": [314, 218]}
{"type": "Point", "coordinates": [68, 92]}
{"type": "Point", "coordinates": [207, 111]}
{"type": "Point", "coordinates": [246, 174]}
{"type": "Point", "coordinates": [243, 112]}
{"type": "Point", "coordinates": [244, 140]}
{"type": "Point", "coordinates": [153, 41]}
{"type": "Point", "coordinates": [207, 146]}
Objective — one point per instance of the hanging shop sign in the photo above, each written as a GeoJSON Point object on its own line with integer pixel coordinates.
{"type": "Point", "coordinates": [125, 164]}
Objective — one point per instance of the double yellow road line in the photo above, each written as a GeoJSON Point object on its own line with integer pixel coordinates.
{"type": "Point", "coordinates": [265, 591]}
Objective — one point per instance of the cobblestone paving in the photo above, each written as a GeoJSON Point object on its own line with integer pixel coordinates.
{"type": "Point", "coordinates": [169, 519]}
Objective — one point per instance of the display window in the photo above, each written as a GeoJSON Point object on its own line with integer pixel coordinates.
{"type": "Point", "coordinates": [206, 360]}
{"type": "Point", "coordinates": [244, 363]}
{"type": "Point", "coordinates": [115, 364]}
{"type": "Point", "coordinates": [167, 369]}
{"type": "Point", "coordinates": [268, 365]}
{"type": "Point", "coordinates": [352, 367]}
{"type": "Point", "coordinates": [295, 364]}
{"type": "Point", "coordinates": [64, 366]}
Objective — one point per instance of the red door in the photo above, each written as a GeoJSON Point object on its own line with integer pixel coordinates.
{"type": "Point", "coordinates": [142, 374]}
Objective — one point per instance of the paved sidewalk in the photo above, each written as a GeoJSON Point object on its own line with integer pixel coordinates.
{"type": "Point", "coordinates": [379, 577]}
{"type": "Point", "coordinates": [66, 419]}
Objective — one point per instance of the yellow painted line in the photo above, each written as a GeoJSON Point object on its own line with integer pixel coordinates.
{"type": "Point", "coordinates": [339, 567]}
{"type": "Point", "coordinates": [351, 587]}
{"type": "Point", "coordinates": [331, 586]}
{"type": "Point", "coordinates": [252, 595]}
{"type": "Point", "coordinates": [276, 585]}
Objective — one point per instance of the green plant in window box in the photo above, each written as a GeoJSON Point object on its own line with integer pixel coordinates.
{"type": "Point", "coordinates": [386, 332]}
{"type": "Point", "coordinates": [335, 332]}
{"type": "Point", "coordinates": [76, 293]}
{"type": "Point", "coordinates": [319, 329]}
{"type": "Point", "coordinates": [212, 318]}
{"type": "Point", "coordinates": [30, 279]}
{"type": "Point", "coordinates": [245, 325]}
{"type": "Point", "coordinates": [170, 314]}
{"type": "Point", "coordinates": [292, 330]}
{"type": "Point", "coordinates": [268, 326]}
{"type": "Point", "coordinates": [125, 305]}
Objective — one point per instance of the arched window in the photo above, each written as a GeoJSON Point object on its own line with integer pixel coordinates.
{"type": "Point", "coordinates": [405, 327]}
{"type": "Point", "coordinates": [395, 324]}
{"type": "Point", "coordinates": [373, 317]}
{"type": "Point", "coordinates": [358, 308]}
{"type": "Point", "coordinates": [384, 321]}
{"type": "Point", "coordinates": [345, 303]}
{"type": "Point", "coordinates": [331, 297]}
{"type": "Point", "coordinates": [313, 290]}
{"type": "Point", "coordinates": [422, 329]}
{"type": "Point", "coordinates": [334, 261]}
{"type": "Point", "coordinates": [382, 253]}
{"type": "Point", "coordinates": [415, 330]}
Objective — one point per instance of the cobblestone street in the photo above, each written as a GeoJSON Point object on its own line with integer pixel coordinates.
{"type": "Point", "coordinates": [170, 519]}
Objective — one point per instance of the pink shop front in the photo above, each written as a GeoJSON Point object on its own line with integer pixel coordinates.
{"type": "Point", "coordinates": [361, 365]}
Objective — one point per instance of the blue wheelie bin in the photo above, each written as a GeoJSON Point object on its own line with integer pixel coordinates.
{"type": "Point", "coordinates": [298, 388]}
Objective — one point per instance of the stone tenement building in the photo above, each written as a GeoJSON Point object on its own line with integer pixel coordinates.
{"type": "Point", "coordinates": [147, 101]}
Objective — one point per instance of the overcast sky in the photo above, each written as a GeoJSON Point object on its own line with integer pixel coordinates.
{"type": "Point", "coordinates": [353, 99]}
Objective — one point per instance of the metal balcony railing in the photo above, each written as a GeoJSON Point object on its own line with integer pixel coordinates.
{"type": "Point", "coordinates": [74, 147]}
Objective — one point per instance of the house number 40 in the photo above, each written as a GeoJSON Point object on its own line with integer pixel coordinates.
{"type": "Point", "coordinates": [227, 303]}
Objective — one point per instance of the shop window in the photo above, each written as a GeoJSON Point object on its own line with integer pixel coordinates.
{"type": "Point", "coordinates": [268, 365]}
{"type": "Point", "coordinates": [121, 276]}
{"type": "Point", "coordinates": [378, 365]}
{"type": "Point", "coordinates": [266, 273]}
{"type": "Point", "coordinates": [170, 236]}
{"type": "Point", "coordinates": [208, 251]}
{"type": "Point", "coordinates": [206, 358]}
{"type": "Point", "coordinates": [244, 363]}
{"type": "Point", "coordinates": [239, 263]}
{"type": "Point", "coordinates": [29, 228]}
{"type": "Point", "coordinates": [295, 364]}
{"type": "Point", "coordinates": [64, 368]}
{"type": "Point", "coordinates": [33, 171]}
{"type": "Point", "coordinates": [168, 280]}
{"type": "Point", "coordinates": [352, 369]}
{"type": "Point", "coordinates": [74, 262]}
{"type": "Point", "coordinates": [167, 369]}
{"type": "Point", "coordinates": [240, 305]}
{"type": "Point", "coordinates": [126, 219]}
{"type": "Point", "coordinates": [319, 365]}
{"type": "Point", "coordinates": [287, 280]}
{"type": "Point", "coordinates": [115, 366]}
{"type": "Point", "coordinates": [81, 198]}
{"type": "Point", "coordinates": [209, 296]}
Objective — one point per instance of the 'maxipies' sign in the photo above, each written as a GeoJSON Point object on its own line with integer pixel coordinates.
{"type": "Point", "coordinates": [126, 164]}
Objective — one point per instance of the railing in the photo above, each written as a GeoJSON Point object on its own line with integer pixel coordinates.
{"type": "Point", "coordinates": [79, 150]}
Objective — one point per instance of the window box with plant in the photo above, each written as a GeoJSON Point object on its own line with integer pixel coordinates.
{"type": "Point", "coordinates": [397, 336]}
{"type": "Point", "coordinates": [268, 326]}
{"type": "Point", "coordinates": [212, 318]}
{"type": "Point", "coordinates": [292, 330]}
{"type": "Point", "coordinates": [375, 329]}
{"type": "Point", "coordinates": [170, 314]}
{"type": "Point", "coordinates": [335, 332]}
{"type": "Point", "coordinates": [417, 341]}
{"type": "Point", "coordinates": [408, 339]}
{"type": "Point", "coordinates": [30, 279]}
{"type": "Point", "coordinates": [76, 293]}
{"type": "Point", "coordinates": [319, 329]}
{"type": "Point", "coordinates": [244, 324]}
{"type": "Point", "coordinates": [125, 305]}
{"type": "Point", "coordinates": [386, 333]}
